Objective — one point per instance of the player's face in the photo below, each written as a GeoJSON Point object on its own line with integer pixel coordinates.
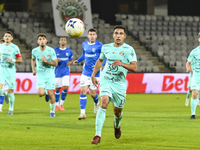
{"type": "Point", "coordinates": [119, 36]}
{"type": "Point", "coordinates": [63, 42]}
{"type": "Point", "coordinates": [8, 38]}
{"type": "Point", "coordinates": [42, 41]}
{"type": "Point", "coordinates": [199, 39]}
{"type": "Point", "coordinates": [92, 36]}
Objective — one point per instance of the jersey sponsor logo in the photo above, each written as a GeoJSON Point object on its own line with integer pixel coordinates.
{"type": "Point", "coordinates": [88, 55]}
{"type": "Point", "coordinates": [58, 54]}
{"type": "Point", "coordinates": [121, 53]}
{"type": "Point", "coordinates": [63, 58]}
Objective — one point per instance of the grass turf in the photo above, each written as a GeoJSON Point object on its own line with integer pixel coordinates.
{"type": "Point", "coordinates": [150, 122]}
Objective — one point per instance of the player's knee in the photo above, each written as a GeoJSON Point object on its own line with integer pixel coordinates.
{"type": "Point", "coordinates": [40, 94]}
{"type": "Point", "coordinates": [104, 105]}
{"type": "Point", "coordinates": [117, 113]}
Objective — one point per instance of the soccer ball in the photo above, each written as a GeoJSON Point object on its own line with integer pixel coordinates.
{"type": "Point", "coordinates": [74, 27]}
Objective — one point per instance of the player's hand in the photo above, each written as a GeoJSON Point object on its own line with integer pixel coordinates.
{"type": "Point", "coordinates": [58, 59]}
{"type": "Point", "coordinates": [34, 72]}
{"type": "Point", "coordinates": [68, 63]}
{"type": "Point", "coordinates": [188, 70]}
{"type": "Point", "coordinates": [94, 81]}
{"type": "Point", "coordinates": [8, 60]}
{"type": "Point", "coordinates": [117, 63]}
{"type": "Point", "coordinates": [75, 62]}
{"type": "Point", "coordinates": [44, 59]}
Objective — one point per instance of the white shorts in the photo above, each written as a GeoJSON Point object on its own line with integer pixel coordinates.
{"type": "Point", "coordinates": [60, 82]}
{"type": "Point", "coordinates": [86, 81]}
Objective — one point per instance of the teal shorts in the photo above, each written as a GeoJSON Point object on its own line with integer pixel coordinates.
{"type": "Point", "coordinates": [117, 97]}
{"type": "Point", "coordinates": [10, 80]}
{"type": "Point", "coordinates": [48, 83]}
{"type": "Point", "coordinates": [195, 84]}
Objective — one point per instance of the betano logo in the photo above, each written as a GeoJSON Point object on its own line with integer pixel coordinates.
{"type": "Point", "coordinates": [71, 9]}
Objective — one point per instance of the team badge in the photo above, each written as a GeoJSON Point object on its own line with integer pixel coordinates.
{"type": "Point", "coordinates": [121, 53]}
{"type": "Point", "coordinates": [48, 55]}
{"type": "Point", "coordinates": [93, 49]}
{"type": "Point", "coordinates": [9, 51]}
{"type": "Point", "coordinates": [67, 54]}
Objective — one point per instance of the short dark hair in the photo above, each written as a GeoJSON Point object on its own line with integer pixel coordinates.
{"type": "Point", "coordinates": [63, 37]}
{"type": "Point", "coordinates": [92, 30]}
{"type": "Point", "coordinates": [121, 27]}
{"type": "Point", "coordinates": [42, 35]}
{"type": "Point", "coordinates": [9, 32]}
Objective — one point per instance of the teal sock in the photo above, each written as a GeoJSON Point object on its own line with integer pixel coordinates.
{"type": "Point", "coordinates": [188, 95]}
{"type": "Point", "coordinates": [100, 118]}
{"type": "Point", "coordinates": [52, 107]}
{"type": "Point", "coordinates": [2, 92]}
{"type": "Point", "coordinates": [193, 105]}
{"type": "Point", "coordinates": [46, 92]}
{"type": "Point", "coordinates": [118, 120]}
{"type": "Point", "coordinates": [11, 100]}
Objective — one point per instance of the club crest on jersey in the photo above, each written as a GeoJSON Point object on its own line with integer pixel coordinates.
{"type": "Point", "coordinates": [67, 54]}
{"type": "Point", "coordinates": [93, 49]}
{"type": "Point", "coordinates": [113, 52]}
{"type": "Point", "coordinates": [121, 53]}
{"type": "Point", "coordinates": [9, 51]}
{"type": "Point", "coordinates": [48, 55]}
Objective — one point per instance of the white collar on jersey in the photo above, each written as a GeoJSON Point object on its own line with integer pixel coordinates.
{"type": "Point", "coordinates": [91, 43]}
{"type": "Point", "coordinates": [63, 48]}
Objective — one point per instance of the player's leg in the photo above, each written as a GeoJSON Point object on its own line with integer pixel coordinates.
{"type": "Point", "coordinates": [11, 101]}
{"type": "Point", "coordinates": [52, 103]}
{"type": "Point", "coordinates": [83, 102]}
{"type": "Point", "coordinates": [58, 84]}
{"type": "Point", "coordinates": [2, 90]}
{"type": "Point", "coordinates": [100, 118]}
{"type": "Point", "coordinates": [189, 93]}
{"type": "Point", "coordinates": [1, 102]}
{"type": "Point", "coordinates": [85, 82]}
{"type": "Point", "coordinates": [65, 85]}
{"type": "Point", "coordinates": [95, 98]}
{"type": "Point", "coordinates": [50, 86]}
{"type": "Point", "coordinates": [117, 120]}
{"type": "Point", "coordinates": [193, 104]}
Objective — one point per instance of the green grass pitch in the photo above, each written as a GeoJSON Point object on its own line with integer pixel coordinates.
{"type": "Point", "coordinates": [150, 122]}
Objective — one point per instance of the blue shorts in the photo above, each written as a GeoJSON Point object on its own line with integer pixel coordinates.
{"type": "Point", "coordinates": [117, 97]}
{"type": "Point", "coordinates": [48, 83]}
{"type": "Point", "coordinates": [10, 80]}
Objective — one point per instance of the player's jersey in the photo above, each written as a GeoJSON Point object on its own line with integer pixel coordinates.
{"type": "Point", "coordinates": [91, 53]}
{"type": "Point", "coordinates": [44, 70]}
{"type": "Point", "coordinates": [194, 59]}
{"type": "Point", "coordinates": [65, 56]}
{"type": "Point", "coordinates": [116, 76]}
{"type": "Point", "coordinates": [10, 51]}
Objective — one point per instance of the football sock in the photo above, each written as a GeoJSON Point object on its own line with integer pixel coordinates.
{"type": "Point", "coordinates": [100, 118]}
{"type": "Point", "coordinates": [46, 92]}
{"type": "Point", "coordinates": [52, 107]}
{"type": "Point", "coordinates": [1, 99]}
{"type": "Point", "coordinates": [95, 99]}
{"type": "Point", "coordinates": [83, 102]}
{"type": "Point", "coordinates": [63, 95]}
{"type": "Point", "coordinates": [57, 97]}
{"type": "Point", "coordinates": [118, 120]}
{"type": "Point", "coordinates": [61, 102]}
{"type": "Point", "coordinates": [193, 105]}
{"type": "Point", "coordinates": [11, 100]}
{"type": "Point", "coordinates": [188, 95]}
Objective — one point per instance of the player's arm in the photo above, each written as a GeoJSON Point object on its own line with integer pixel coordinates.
{"type": "Point", "coordinates": [17, 60]}
{"type": "Point", "coordinates": [131, 67]}
{"type": "Point", "coordinates": [69, 63]}
{"type": "Point", "coordinates": [52, 63]}
{"type": "Point", "coordinates": [188, 66]}
{"type": "Point", "coordinates": [33, 63]}
{"type": "Point", "coordinates": [97, 66]}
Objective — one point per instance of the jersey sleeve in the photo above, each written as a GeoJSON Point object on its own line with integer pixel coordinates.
{"type": "Point", "coordinates": [102, 55]}
{"type": "Point", "coordinates": [190, 57]}
{"type": "Point", "coordinates": [132, 55]}
{"type": "Point", "coordinates": [71, 56]}
{"type": "Point", "coordinates": [17, 51]}
{"type": "Point", "coordinates": [33, 54]}
{"type": "Point", "coordinates": [82, 57]}
{"type": "Point", "coordinates": [53, 54]}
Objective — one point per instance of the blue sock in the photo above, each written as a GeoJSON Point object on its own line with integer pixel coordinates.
{"type": "Point", "coordinates": [83, 101]}
{"type": "Point", "coordinates": [63, 95]}
{"type": "Point", "coordinates": [95, 99]}
{"type": "Point", "coordinates": [1, 99]}
{"type": "Point", "coordinates": [57, 96]}
{"type": "Point", "coordinates": [11, 100]}
{"type": "Point", "coordinates": [193, 105]}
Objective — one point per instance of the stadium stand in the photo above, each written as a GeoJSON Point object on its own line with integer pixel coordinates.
{"type": "Point", "coordinates": [170, 38]}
